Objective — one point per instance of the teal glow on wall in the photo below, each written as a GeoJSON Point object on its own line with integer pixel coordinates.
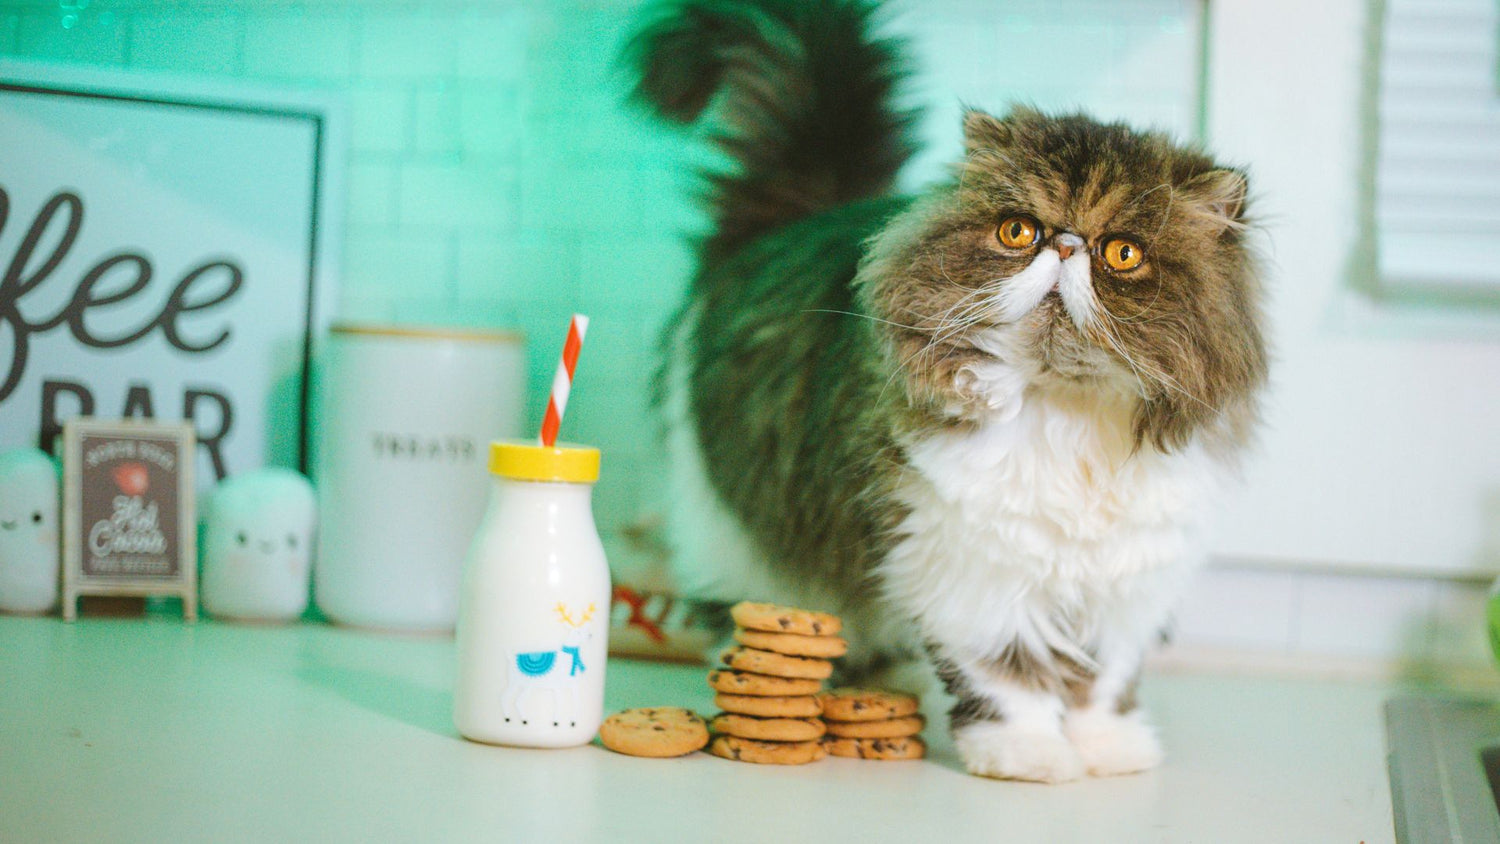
{"type": "Point", "coordinates": [496, 179]}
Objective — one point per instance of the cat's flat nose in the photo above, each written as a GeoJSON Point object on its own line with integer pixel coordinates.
{"type": "Point", "coordinates": [1066, 243]}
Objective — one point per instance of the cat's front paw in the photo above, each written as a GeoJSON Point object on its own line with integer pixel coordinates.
{"type": "Point", "coordinates": [1012, 752]}
{"type": "Point", "coordinates": [1109, 743]}
{"type": "Point", "coordinates": [984, 389]}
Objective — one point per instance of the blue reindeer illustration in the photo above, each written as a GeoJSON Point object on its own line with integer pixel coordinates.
{"type": "Point", "coordinates": [531, 670]}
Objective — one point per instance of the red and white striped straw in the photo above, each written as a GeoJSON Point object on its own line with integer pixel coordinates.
{"type": "Point", "coordinates": [562, 382]}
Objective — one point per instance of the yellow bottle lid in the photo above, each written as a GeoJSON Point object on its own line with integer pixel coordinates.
{"type": "Point", "coordinates": [531, 461]}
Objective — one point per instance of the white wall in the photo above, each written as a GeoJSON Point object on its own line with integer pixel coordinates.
{"type": "Point", "coordinates": [1381, 446]}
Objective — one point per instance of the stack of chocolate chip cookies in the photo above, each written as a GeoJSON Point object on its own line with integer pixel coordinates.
{"type": "Point", "coordinates": [769, 692]}
{"type": "Point", "coordinates": [872, 724]}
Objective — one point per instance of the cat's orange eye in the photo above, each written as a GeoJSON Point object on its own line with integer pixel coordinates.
{"type": "Point", "coordinates": [1018, 232]}
{"type": "Point", "coordinates": [1122, 255]}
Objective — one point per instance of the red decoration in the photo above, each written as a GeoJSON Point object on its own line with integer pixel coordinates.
{"type": "Point", "coordinates": [638, 618]}
{"type": "Point", "coordinates": [132, 478]}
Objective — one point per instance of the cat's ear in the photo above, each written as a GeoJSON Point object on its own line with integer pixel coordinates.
{"type": "Point", "coordinates": [985, 131]}
{"type": "Point", "coordinates": [1220, 195]}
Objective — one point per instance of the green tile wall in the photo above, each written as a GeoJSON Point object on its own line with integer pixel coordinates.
{"type": "Point", "coordinates": [494, 178]}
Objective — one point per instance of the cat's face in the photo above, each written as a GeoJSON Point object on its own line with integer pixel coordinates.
{"type": "Point", "coordinates": [1076, 254]}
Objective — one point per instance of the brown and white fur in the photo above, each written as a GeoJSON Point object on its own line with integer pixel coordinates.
{"type": "Point", "coordinates": [997, 458]}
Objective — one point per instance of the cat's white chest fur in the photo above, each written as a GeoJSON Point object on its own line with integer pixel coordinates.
{"type": "Point", "coordinates": [1043, 526]}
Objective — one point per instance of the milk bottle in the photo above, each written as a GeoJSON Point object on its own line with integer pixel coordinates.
{"type": "Point", "coordinates": [534, 611]}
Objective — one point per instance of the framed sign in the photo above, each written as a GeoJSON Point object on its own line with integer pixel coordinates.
{"type": "Point", "coordinates": [165, 253]}
{"type": "Point", "coordinates": [129, 524]}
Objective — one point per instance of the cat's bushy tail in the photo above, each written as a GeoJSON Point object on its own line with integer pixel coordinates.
{"type": "Point", "coordinates": [802, 96]}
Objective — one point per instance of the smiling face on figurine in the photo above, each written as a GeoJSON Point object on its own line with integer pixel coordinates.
{"type": "Point", "coordinates": [257, 546]}
{"type": "Point", "coordinates": [29, 531]}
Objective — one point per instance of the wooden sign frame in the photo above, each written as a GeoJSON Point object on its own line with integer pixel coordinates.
{"type": "Point", "coordinates": [129, 517]}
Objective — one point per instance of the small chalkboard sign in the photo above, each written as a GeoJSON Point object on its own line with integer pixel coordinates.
{"type": "Point", "coordinates": [128, 512]}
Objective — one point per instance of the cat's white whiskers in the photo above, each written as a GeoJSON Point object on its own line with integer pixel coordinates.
{"type": "Point", "coordinates": [972, 315]}
{"type": "Point", "coordinates": [1157, 375]}
{"type": "Point", "coordinates": [1134, 370]}
{"type": "Point", "coordinates": [860, 315]}
{"type": "Point", "coordinates": [1143, 311]}
{"type": "Point", "coordinates": [1145, 370]}
{"type": "Point", "coordinates": [962, 300]}
{"type": "Point", "coordinates": [971, 309]}
{"type": "Point", "coordinates": [943, 268]}
{"type": "Point", "coordinates": [1166, 215]}
{"type": "Point", "coordinates": [951, 324]}
{"type": "Point", "coordinates": [968, 163]}
{"type": "Point", "coordinates": [1140, 197]}
{"type": "Point", "coordinates": [937, 326]}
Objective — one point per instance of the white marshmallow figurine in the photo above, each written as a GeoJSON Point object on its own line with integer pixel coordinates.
{"type": "Point", "coordinates": [29, 532]}
{"type": "Point", "coordinates": [257, 546]}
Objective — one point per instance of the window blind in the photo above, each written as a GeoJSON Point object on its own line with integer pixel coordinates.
{"type": "Point", "coordinates": [1437, 179]}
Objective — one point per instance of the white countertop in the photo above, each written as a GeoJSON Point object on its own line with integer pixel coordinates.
{"type": "Point", "coordinates": [152, 730]}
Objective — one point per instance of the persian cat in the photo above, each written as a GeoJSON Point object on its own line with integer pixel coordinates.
{"type": "Point", "coordinates": [982, 423]}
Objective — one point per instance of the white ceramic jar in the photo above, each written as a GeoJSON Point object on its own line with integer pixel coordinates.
{"type": "Point", "coordinates": [532, 631]}
{"type": "Point", "coordinates": [405, 416]}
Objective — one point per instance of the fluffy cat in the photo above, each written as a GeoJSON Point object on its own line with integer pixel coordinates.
{"type": "Point", "coordinates": [981, 423]}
